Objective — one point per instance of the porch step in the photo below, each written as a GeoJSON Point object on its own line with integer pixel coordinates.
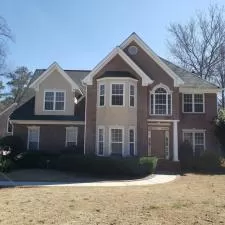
{"type": "Point", "coordinates": [167, 167]}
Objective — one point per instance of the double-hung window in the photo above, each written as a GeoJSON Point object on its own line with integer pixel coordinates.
{"type": "Point", "coordinates": [132, 141]}
{"type": "Point", "coordinates": [33, 138]}
{"type": "Point", "coordinates": [117, 94]}
{"type": "Point", "coordinates": [196, 139]}
{"type": "Point", "coordinates": [193, 103]}
{"type": "Point", "coordinates": [101, 95]}
{"type": "Point", "coordinates": [71, 136]}
{"type": "Point", "coordinates": [100, 141]}
{"type": "Point", "coordinates": [116, 141]}
{"type": "Point", "coordinates": [54, 101]}
{"type": "Point", "coordinates": [132, 96]}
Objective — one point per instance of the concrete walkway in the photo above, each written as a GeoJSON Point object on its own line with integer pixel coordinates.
{"type": "Point", "coordinates": [150, 180]}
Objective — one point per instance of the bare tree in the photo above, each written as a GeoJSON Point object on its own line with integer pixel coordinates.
{"type": "Point", "coordinates": [5, 35]}
{"type": "Point", "coordinates": [196, 45]}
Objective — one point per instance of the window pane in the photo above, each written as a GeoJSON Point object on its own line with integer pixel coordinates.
{"type": "Point", "coordinates": [188, 138]}
{"type": "Point", "coordinates": [131, 100]}
{"type": "Point", "coordinates": [169, 104]}
{"type": "Point", "coordinates": [198, 107]}
{"type": "Point", "coordinates": [131, 135]}
{"type": "Point", "coordinates": [49, 96]}
{"type": "Point", "coordinates": [199, 138]}
{"type": "Point", "coordinates": [100, 148]}
{"type": "Point", "coordinates": [131, 89]}
{"type": "Point", "coordinates": [60, 96]}
{"type": "Point", "coordinates": [187, 98]}
{"type": "Point", "coordinates": [198, 98]}
{"type": "Point", "coordinates": [117, 89]}
{"type": "Point", "coordinates": [102, 100]}
{"type": "Point", "coordinates": [9, 127]}
{"type": "Point", "coordinates": [71, 135]}
{"type": "Point", "coordinates": [117, 99]}
{"type": "Point", "coordinates": [59, 106]}
{"type": "Point", "coordinates": [116, 135]}
{"type": "Point", "coordinates": [102, 89]}
{"type": "Point", "coordinates": [160, 109]}
{"type": "Point", "coordinates": [116, 148]}
{"type": "Point", "coordinates": [132, 149]}
{"type": "Point", "coordinates": [71, 144]}
{"type": "Point", "coordinates": [160, 90]}
{"type": "Point", "coordinates": [187, 107]}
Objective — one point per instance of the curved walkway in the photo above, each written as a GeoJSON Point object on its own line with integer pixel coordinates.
{"type": "Point", "coordinates": [150, 180]}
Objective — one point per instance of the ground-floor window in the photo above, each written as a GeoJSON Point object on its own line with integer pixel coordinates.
{"type": "Point", "coordinates": [116, 137]}
{"type": "Point", "coordinates": [33, 138]}
{"type": "Point", "coordinates": [196, 138]}
{"type": "Point", "coordinates": [100, 140]}
{"type": "Point", "coordinates": [132, 141]}
{"type": "Point", "coordinates": [71, 136]}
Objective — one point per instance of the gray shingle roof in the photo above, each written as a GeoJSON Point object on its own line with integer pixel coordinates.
{"type": "Point", "coordinates": [190, 79]}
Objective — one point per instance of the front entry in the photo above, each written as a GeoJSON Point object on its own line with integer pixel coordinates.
{"type": "Point", "coordinates": [158, 142]}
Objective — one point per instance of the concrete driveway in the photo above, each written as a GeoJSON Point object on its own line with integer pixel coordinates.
{"type": "Point", "coordinates": [38, 177]}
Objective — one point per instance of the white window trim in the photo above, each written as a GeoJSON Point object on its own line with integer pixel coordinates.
{"type": "Point", "coordinates": [135, 94]}
{"type": "Point", "coordinates": [70, 128]}
{"type": "Point", "coordinates": [169, 92]}
{"type": "Point", "coordinates": [28, 135]}
{"type": "Point", "coordinates": [99, 90]}
{"type": "Point", "coordinates": [54, 101]}
{"type": "Point", "coordinates": [110, 139]}
{"type": "Point", "coordinates": [134, 129]}
{"type": "Point", "coordinates": [193, 103]}
{"type": "Point", "coordinates": [193, 131]}
{"type": "Point", "coordinates": [124, 99]}
{"type": "Point", "coordinates": [97, 140]}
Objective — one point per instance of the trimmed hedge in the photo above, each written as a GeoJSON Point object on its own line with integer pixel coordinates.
{"type": "Point", "coordinates": [35, 159]}
{"type": "Point", "coordinates": [6, 164]}
{"type": "Point", "coordinates": [130, 166]}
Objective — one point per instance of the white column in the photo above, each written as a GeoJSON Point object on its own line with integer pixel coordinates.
{"type": "Point", "coordinates": [175, 141]}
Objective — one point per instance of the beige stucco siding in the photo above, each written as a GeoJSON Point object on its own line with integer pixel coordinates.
{"type": "Point", "coordinates": [55, 81]}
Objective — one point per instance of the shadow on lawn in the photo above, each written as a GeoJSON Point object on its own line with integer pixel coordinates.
{"type": "Point", "coordinates": [216, 171]}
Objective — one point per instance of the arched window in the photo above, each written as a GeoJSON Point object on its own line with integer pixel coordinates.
{"type": "Point", "coordinates": [161, 101]}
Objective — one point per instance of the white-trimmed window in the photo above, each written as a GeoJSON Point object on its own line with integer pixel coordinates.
{"type": "Point", "coordinates": [101, 94]}
{"type": "Point", "coordinates": [71, 136]}
{"type": "Point", "coordinates": [9, 127]}
{"type": "Point", "coordinates": [132, 150]}
{"type": "Point", "coordinates": [117, 95]}
{"type": "Point", "coordinates": [132, 95]}
{"type": "Point", "coordinates": [54, 100]}
{"type": "Point", "coordinates": [116, 137]}
{"type": "Point", "coordinates": [196, 138]}
{"type": "Point", "coordinates": [100, 140]}
{"type": "Point", "coordinates": [193, 103]}
{"type": "Point", "coordinates": [33, 138]}
{"type": "Point", "coordinates": [161, 101]}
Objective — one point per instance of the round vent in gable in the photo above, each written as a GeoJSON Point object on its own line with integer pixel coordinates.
{"type": "Point", "coordinates": [133, 50]}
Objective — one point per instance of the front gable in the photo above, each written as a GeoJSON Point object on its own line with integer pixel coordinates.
{"type": "Point", "coordinates": [54, 68]}
{"type": "Point", "coordinates": [117, 52]}
{"type": "Point", "coordinates": [149, 62]}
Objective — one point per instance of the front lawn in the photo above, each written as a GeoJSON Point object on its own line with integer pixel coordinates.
{"type": "Point", "coordinates": [191, 199]}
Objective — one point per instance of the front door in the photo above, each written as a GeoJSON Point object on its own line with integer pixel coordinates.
{"type": "Point", "coordinates": [158, 143]}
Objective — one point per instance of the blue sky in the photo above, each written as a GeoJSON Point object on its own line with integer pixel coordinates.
{"type": "Point", "coordinates": [79, 33]}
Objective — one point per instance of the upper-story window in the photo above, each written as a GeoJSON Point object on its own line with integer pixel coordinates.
{"type": "Point", "coordinates": [132, 95]}
{"type": "Point", "coordinates": [117, 94]}
{"type": "Point", "coordinates": [161, 101]}
{"type": "Point", "coordinates": [193, 103]}
{"type": "Point", "coordinates": [101, 95]}
{"type": "Point", "coordinates": [54, 101]}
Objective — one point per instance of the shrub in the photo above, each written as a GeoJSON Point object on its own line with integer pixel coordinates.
{"type": "Point", "coordinates": [6, 164]}
{"type": "Point", "coordinates": [208, 161]}
{"type": "Point", "coordinates": [13, 143]}
{"type": "Point", "coordinates": [131, 166]}
{"type": "Point", "coordinates": [35, 159]}
{"type": "Point", "coordinates": [186, 155]}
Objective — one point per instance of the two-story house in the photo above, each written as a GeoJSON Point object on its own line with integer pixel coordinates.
{"type": "Point", "coordinates": [132, 103]}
